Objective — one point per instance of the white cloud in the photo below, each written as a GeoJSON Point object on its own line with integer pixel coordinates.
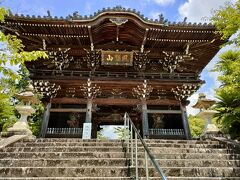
{"type": "Point", "coordinates": [164, 2]}
{"type": "Point", "coordinates": [199, 11]}
{"type": "Point", "coordinates": [88, 6]}
{"type": "Point", "coordinates": [155, 15]}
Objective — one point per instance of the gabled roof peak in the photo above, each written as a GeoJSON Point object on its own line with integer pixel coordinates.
{"type": "Point", "coordinates": [77, 16]}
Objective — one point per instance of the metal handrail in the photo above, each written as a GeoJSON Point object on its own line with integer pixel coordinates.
{"type": "Point", "coordinates": [129, 128]}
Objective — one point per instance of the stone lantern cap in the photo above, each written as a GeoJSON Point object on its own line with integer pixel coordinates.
{"type": "Point", "coordinates": [203, 102]}
{"type": "Point", "coordinates": [27, 96]}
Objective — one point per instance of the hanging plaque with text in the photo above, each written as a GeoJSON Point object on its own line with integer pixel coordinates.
{"type": "Point", "coordinates": [120, 58]}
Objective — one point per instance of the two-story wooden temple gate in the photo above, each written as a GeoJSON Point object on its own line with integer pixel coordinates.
{"type": "Point", "coordinates": [112, 62]}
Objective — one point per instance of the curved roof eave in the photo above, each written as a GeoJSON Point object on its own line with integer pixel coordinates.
{"type": "Point", "coordinates": [113, 11]}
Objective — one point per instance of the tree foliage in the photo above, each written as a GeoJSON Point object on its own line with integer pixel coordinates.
{"type": "Point", "coordinates": [12, 53]}
{"type": "Point", "coordinates": [228, 106]}
{"type": "Point", "coordinates": [196, 125]}
{"type": "Point", "coordinates": [227, 21]}
{"type": "Point", "coordinates": [122, 132]}
{"type": "Point", "coordinates": [100, 135]}
{"type": "Point", "coordinates": [6, 110]}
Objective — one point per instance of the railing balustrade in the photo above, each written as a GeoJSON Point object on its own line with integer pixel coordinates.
{"type": "Point", "coordinates": [62, 131]}
{"type": "Point", "coordinates": [87, 74]}
{"type": "Point", "coordinates": [131, 137]}
{"type": "Point", "coordinates": [166, 132]}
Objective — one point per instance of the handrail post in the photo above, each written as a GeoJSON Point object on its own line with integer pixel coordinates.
{"type": "Point", "coordinates": [127, 132]}
{"type": "Point", "coordinates": [147, 154]}
{"type": "Point", "coordinates": [131, 145]}
{"type": "Point", "coordinates": [146, 164]}
{"type": "Point", "coordinates": [125, 122]}
{"type": "Point", "coordinates": [136, 157]}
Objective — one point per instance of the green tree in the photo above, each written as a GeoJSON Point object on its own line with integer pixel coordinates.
{"type": "Point", "coordinates": [229, 112]}
{"type": "Point", "coordinates": [196, 125]}
{"type": "Point", "coordinates": [100, 135]}
{"type": "Point", "coordinates": [227, 22]}
{"type": "Point", "coordinates": [12, 54]}
{"type": "Point", "coordinates": [6, 110]}
{"type": "Point", "coordinates": [12, 51]}
{"type": "Point", "coordinates": [121, 132]}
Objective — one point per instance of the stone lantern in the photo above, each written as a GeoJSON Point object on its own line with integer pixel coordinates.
{"type": "Point", "coordinates": [25, 109]}
{"type": "Point", "coordinates": [207, 114]}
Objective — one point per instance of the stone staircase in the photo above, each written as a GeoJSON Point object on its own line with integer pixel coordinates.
{"type": "Point", "coordinates": [55, 159]}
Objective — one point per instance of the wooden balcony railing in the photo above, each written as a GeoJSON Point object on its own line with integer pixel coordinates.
{"type": "Point", "coordinates": [166, 132]}
{"type": "Point", "coordinates": [64, 132]}
{"type": "Point", "coordinates": [122, 75]}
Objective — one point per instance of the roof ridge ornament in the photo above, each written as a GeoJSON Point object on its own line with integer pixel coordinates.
{"type": "Point", "coordinates": [118, 20]}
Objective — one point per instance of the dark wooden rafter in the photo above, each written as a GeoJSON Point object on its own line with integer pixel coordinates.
{"type": "Point", "coordinates": [91, 38]}
{"type": "Point", "coordinates": [144, 40]}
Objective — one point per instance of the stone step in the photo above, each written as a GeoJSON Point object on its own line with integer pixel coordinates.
{"type": "Point", "coordinates": [197, 163]}
{"type": "Point", "coordinates": [67, 178]}
{"type": "Point", "coordinates": [118, 178]}
{"type": "Point", "coordinates": [64, 171]}
{"type": "Point", "coordinates": [61, 162]}
{"type": "Point", "coordinates": [27, 155]}
{"type": "Point", "coordinates": [62, 154]}
{"type": "Point", "coordinates": [114, 140]}
{"type": "Point", "coordinates": [196, 172]}
{"type": "Point", "coordinates": [198, 178]}
{"type": "Point", "coordinates": [117, 172]}
{"type": "Point", "coordinates": [62, 149]}
{"type": "Point", "coordinates": [83, 162]}
{"type": "Point", "coordinates": [114, 149]}
{"type": "Point", "coordinates": [222, 156]}
{"type": "Point", "coordinates": [120, 144]}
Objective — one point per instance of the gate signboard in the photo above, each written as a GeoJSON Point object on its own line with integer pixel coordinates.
{"type": "Point", "coordinates": [120, 58]}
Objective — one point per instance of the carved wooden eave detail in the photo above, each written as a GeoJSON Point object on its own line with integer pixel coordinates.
{"type": "Point", "coordinates": [58, 58]}
{"type": "Point", "coordinates": [46, 88]}
{"type": "Point", "coordinates": [118, 21]}
{"type": "Point", "coordinates": [183, 92]}
{"type": "Point", "coordinates": [92, 59]}
{"type": "Point", "coordinates": [172, 60]}
{"type": "Point", "coordinates": [140, 60]}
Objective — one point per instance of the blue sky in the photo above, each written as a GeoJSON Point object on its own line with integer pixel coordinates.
{"type": "Point", "coordinates": [173, 10]}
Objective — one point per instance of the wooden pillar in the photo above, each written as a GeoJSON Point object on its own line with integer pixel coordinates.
{"type": "Point", "coordinates": [94, 130]}
{"type": "Point", "coordinates": [46, 117]}
{"type": "Point", "coordinates": [185, 121]}
{"type": "Point", "coordinates": [89, 111]}
{"type": "Point", "coordinates": [87, 126]}
{"type": "Point", "coordinates": [145, 119]}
